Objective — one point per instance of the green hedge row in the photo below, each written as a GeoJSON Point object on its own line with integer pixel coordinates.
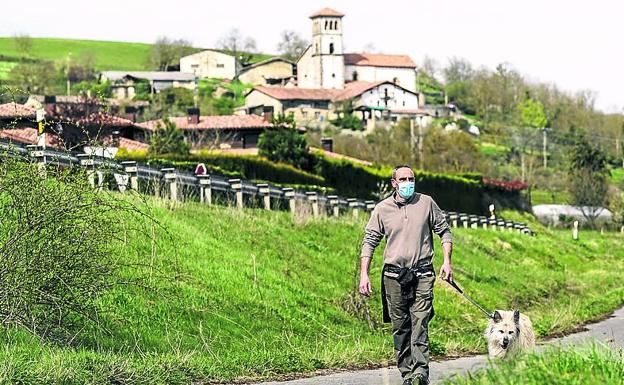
{"type": "Point", "coordinates": [463, 192]}
{"type": "Point", "coordinates": [241, 166]}
{"type": "Point", "coordinates": [449, 191]}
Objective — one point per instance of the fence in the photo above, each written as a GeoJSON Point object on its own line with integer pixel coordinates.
{"type": "Point", "coordinates": [179, 186]}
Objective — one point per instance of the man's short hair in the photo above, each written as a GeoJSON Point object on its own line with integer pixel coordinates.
{"type": "Point", "coordinates": [394, 170]}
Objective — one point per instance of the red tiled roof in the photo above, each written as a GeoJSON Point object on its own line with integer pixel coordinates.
{"type": "Point", "coordinates": [228, 122]}
{"type": "Point", "coordinates": [282, 93]}
{"type": "Point", "coordinates": [357, 88]}
{"type": "Point", "coordinates": [326, 12]}
{"type": "Point", "coordinates": [14, 110]}
{"type": "Point", "coordinates": [128, 144]}
{"type": "Point", "coordinates": [379, 60]}
{"type": "Point", "coordinates": [102, 119]}
{"type": "Point", "coordinates": [29, 136]}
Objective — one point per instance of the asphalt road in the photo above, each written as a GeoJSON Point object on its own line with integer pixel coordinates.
{"type": "Point", "coordinates": [610, 331]}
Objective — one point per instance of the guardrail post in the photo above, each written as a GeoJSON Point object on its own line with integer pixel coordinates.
{"type": "Point", "coordinates": [205, 189]}
{"type": "Point", "coordinates": [333, 203]}
{"type": "Point", "coordinates": [453, 217]}
{"type": "Point", "coordinates": [353, 205]}
{"type": "Point", "coordinates": [237, 186]}
{"type": "Point", "coordinates": [38, 153]}
{"type": "Point", "coordinates": [88, 163]}
{"type": "Point", "coordinates": [370, 205]}
{"type": "Point", "coordinates": [313, 198]}
{"type": "Point", "coordinates": [131, 169]}
{"type": "Point", "coordinates": [171, 178]}
{"type": "Point", "coordinates": [264, 191]}
{"type": "Point", "coordinates": [464, 220]}
{"type": "Point", "coordinates": [289, 194]}
{"type": "Point", "coordinates": [483, 222]}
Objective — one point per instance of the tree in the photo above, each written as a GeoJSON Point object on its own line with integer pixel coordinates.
{"type": "Point", "coordinates": [168, 139]}
{"type": "Point", "coordinates": [239, 46]}
{"type": "Point", "coordinates": [82, 69]}
{"type": "Point", "coordinates": [532, 113]}
{"type": "Point", "coordinates": [346, 119]}
{"type": "Point", "coordinates": [285, 144]}
{"type": "Point", "coordinates": [165, 53]}
{"type": "Point", "coordinates": [23, 44]}
{"type": "Point", "coordinates": [35, 78]}
{"type": "Point", "coordinates": [453, 151]}
{"type": "Point", "coordinates": [587, 178]}
{"type": "Point", "coordinates": [292, 45]}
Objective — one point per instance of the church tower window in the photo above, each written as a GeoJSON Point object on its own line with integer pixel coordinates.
{"type": "Point", "coordinates": [331, 48]}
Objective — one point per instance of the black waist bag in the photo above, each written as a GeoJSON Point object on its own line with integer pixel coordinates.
{"type": "Point", "coordinates": [407, 278]}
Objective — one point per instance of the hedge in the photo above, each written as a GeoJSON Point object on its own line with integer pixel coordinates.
{"type": "Point", "coordinates": [241, 166]}
{"type": "Point", "coordinates": [465, 192]}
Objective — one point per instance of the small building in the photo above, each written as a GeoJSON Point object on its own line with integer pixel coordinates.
{"type": "Point", "coordinates": [399, 69]}
{"type": "Point", "coordinates": [371, 100]}
{"type": "Point", "coordinates": [124, 84]}
{"type": "Point", "coordinates": [218, 131]}
{"type": "Point", "coordinates": [271, 72]}
{"type": "Point", "coordinates": [210, 64]}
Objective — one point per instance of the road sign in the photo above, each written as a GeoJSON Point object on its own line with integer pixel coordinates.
{"type": "Point", "coordinates": [200, 169]}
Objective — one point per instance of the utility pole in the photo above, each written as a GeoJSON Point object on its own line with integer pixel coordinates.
{"type": "Point", "coordinates": [412, 138]}
{"type": "Point", "coordinates": [68, 73]}
{"type": "Point", "coordinates": [545, 145]}
{"type": "Point", "coordinates": [421, 160]}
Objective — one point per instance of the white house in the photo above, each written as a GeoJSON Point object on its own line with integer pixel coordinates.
{"type": "Point", "coordinates": [210, 64]}
{"type": "Point", "coordinates": [399, 69]}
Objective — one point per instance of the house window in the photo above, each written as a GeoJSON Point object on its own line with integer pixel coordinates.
{"type": "Point", "coordinates": [335, 25]}
{"type": "Point", "coordinates": [219, 65]}
{"type": "Point", "coordinates": [331, 48]}
{"type": "Point", "coordinates": [355, 76]}
{"type": "Point", "coordinates": [304, 114]}
{"type": "Point", "coordinates": [317, 115]}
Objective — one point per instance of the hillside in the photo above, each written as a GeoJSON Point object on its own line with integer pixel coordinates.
{"type": "Point", "coordinates": [238, 294]}
{"type": "Point", "coordinates": [109, 55]}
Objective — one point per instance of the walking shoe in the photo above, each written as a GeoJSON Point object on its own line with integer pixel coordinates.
{"type": "Point", "coordinates": [408, 381]}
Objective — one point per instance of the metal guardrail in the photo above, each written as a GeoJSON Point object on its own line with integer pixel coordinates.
{"type": "Point", "coordinates": [180, 186]}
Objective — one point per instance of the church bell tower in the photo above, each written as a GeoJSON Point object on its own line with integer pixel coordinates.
{"type": "Point", "coordinates": [327, 49]}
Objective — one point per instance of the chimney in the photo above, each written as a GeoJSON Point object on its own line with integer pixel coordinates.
{"type": "Point", "coordinates": [49, 105]}
{"type": "Point", "coordinates": [193, 115]}
{"type": "Point", "coordinates": [327, 144]}
{"type": "Point", "coordinates": [267, 112]}
{"type": "Point", "coordinates": [115, 138]}
{"type": "Point", "coordinates": [130, 113]}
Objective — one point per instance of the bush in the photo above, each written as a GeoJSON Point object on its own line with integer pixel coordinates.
{"type": "Point", "coordinates": [57, 236]}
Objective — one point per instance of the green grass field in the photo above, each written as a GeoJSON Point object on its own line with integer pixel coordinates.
{"type": "Point", "coordinates": [540, 197]}
{"type": "Point", "coordinates": [596, 364]}
{"type": "Point", "coordinates": [251, 294]}
{"type": "Point", "coordinates": [109, 55]}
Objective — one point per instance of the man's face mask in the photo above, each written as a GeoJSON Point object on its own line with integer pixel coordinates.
{"type": "Point", "coordinates": [406, 189]}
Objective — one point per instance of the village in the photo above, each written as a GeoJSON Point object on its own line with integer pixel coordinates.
{"type": "Point", "coordinates": [380, 89]}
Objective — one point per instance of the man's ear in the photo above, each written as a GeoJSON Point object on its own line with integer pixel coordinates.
{"type": "Point", "coordinates": [497, 317]}
{"type": "Point", "coordinates": [393, 183]}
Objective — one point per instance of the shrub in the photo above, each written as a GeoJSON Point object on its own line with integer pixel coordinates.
{"type": "Point", "coordinates": [57, 236]}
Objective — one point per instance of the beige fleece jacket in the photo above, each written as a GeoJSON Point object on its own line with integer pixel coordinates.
{"type": "Point", "coordinates": [408, 229]}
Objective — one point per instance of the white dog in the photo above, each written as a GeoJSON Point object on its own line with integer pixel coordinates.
{"type": "Point", "coordinates": [509, 333]}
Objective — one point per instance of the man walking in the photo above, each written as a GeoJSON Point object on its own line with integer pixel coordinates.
{"type": "Point", "coordinates": [407, 220]}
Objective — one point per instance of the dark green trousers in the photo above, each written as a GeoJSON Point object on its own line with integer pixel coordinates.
{"type": "Point", "coordinates": [410, 324]}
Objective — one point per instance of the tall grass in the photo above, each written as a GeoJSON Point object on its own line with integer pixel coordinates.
{"type": "Point", "coordinates": [238, 294]}
{"type": "Point", "coordinates": [589, 365]}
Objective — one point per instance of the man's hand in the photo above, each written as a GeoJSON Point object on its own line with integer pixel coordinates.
{"type": "Point", "coordinates": [446, 272]}
{"type": "Point", "coordinates": [365, 285]}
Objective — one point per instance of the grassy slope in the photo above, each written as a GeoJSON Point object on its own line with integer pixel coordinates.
{"type": "Point", "coordinates": [108, 55]}
{"type": "Point", "coordinates": [252, 294]}
{"type": "Point", "coordinates": [588, 365]}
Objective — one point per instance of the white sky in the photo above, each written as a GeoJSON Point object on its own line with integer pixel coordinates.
{"type": "Point", "coordinates": [575, 44]}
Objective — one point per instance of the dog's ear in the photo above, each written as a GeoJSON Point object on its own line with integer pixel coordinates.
{"type": "Point", "coordinates": [497, 317]}
{"type": "Point", "coordinates": [517, 316]}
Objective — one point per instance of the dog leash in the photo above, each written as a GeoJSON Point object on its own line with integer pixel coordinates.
{"type": "Point", "coordinates": [472, 301]}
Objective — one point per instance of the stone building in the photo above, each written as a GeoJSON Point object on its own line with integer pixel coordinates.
{"type": "Point", "coordinates": [271, 72]}
{"type": "Point", "coordinates": [211, 64]}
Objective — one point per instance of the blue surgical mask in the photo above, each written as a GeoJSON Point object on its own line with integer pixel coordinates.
{"type": "Point", "coordinates": [406, 189]}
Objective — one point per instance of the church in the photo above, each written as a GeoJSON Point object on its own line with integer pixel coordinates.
{"type": "Point", "coordinates": [375, 85]}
